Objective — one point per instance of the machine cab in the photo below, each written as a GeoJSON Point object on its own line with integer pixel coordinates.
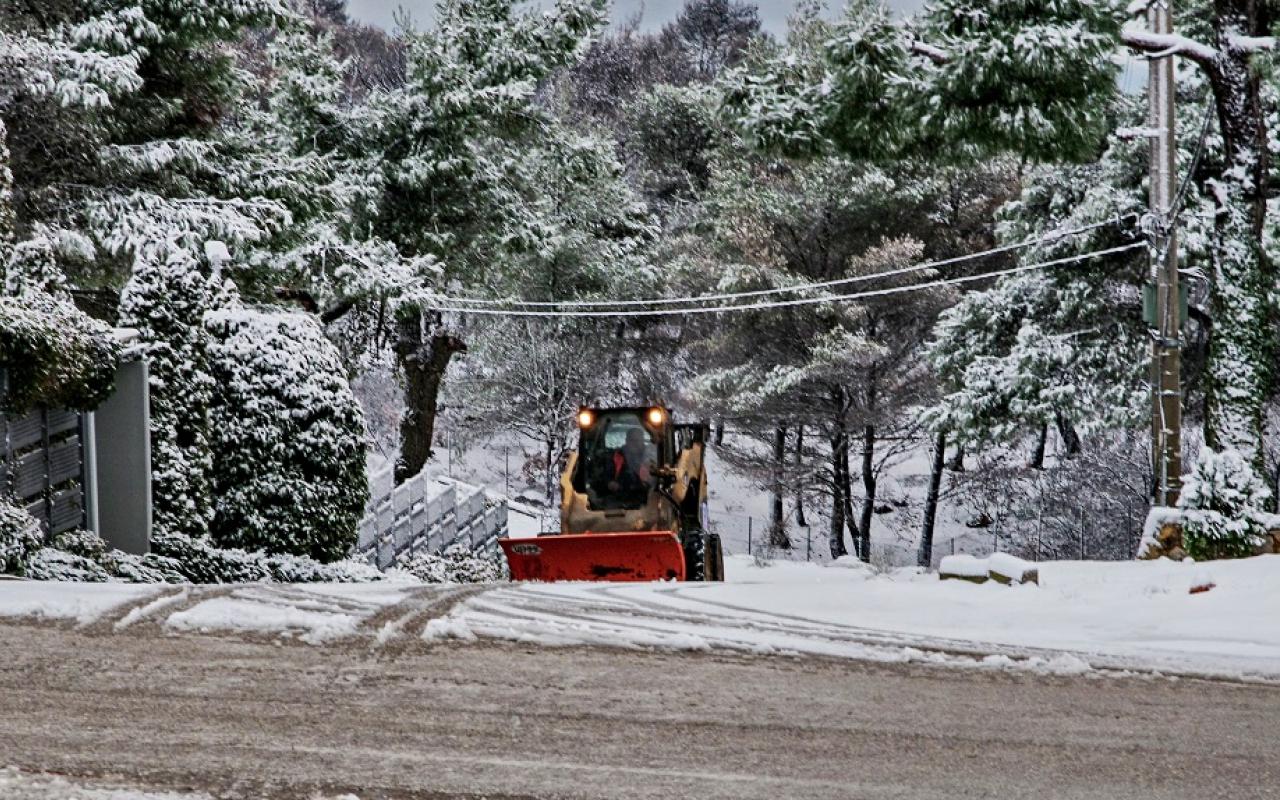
{"type": "Point", "coordinates": [624, 454]}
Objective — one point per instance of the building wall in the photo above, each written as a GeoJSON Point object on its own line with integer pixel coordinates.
{"type": "Point", "coordinates": [118, 462]}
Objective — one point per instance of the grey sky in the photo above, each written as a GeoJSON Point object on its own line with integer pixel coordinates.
{"type": "Point", "coordinates": [653, 13]}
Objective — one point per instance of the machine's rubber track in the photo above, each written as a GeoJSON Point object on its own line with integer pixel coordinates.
{"type": "Point", "coordinates": [703, 556]}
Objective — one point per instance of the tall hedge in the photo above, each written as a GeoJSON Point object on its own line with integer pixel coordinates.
{"type": "Point", "coordinates": [53, 354]}
{"type": "Point", "coordinates": [288, 437]}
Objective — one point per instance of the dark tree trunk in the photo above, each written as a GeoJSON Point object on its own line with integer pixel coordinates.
{"type": "Point", "coordinates": [1070, 439]}
{"type": "Point", "coordinates": [550, 471]}
{"type": "Point", "coordinates": [868, 489]}
{"type": "Point", "coordinates": [846, 489]}
{"type": "Point", "coordinates": [868, 463]}
{"type": "Point", "coordinates": [836, 532]}
{"type": "Point", "coordinates": [956, 464]}
{"type": "Point", "coordinates": [719, 433]}
{"type": "Point", "coordinates": [777, 523]}
{"type": "Point", "coordinates": [924, 557]}
{"type": "Point", "coordinates": [1037, 454]}
{"type": "Point", "coordinates": [800, 520]}
{"type": "Point", "coordinates": [423, 365]}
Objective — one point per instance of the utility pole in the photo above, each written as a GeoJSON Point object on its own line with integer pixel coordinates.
{"type": "Point", "coordinates": [1166, 336]}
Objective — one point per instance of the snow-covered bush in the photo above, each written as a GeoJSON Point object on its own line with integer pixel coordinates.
{"type": "Point", "coordinates": [458, 563]}
{"type": "Point", "coordinates": [54, 354]}
{"type": "Point", "coordinates": [166, 300]}
{"type": "Point", "coordinates": [288, 437]}
{"type": "Point", "coordinates": [1223, 503]}
{"type": "Point", "coordinates": [20, 538]}
{"type": "Point", "coordinates": [200, 561]}
{"type": "Point", "coordinates": [52, 564]}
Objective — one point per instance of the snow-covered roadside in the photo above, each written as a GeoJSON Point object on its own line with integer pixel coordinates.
{"type": "Point", "coordinates": [1100, 615]}
{"type": "Point", "coordinates": [1136, 615]}
{"type": "Point", "coordinates": [81, 602]}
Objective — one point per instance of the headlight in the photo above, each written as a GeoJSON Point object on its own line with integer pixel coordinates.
{"type": "Point", "coordinates": [586, 418]}
{"type": "Point", "coordinates": [656, 416]}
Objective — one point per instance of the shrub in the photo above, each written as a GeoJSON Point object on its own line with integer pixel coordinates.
{"type": "Point", "coordinates": [1223, 501]}
{"type": "Point", "coordinates": [166, 300]}
{"type": "Point", "coordinates": [54, 354]}
{"type": "Point", "coordinates": [20, 538]}
{"type": "Point", "coordinates": [200, 561]}
{"type": "Point", "coordinates": [288, 437]}
{"type": "Point", "coordinates": [458, 564]}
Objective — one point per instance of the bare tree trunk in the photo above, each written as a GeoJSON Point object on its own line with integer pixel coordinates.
{"type": "Point", "coordinates": [868, 489]}
{"type": "Point", "coordinates": [800, 520]}
{"type": "Point", "coordinates": [924, 556]}
{"type": "Point", "coordinates": [846, 488]}
{"type": "Point", "coordinates": [1037, 455]}
{"type": "Point", "coordinates": [550, 471]}
{"type": "Point", "coordinates": [1070, 438]}
{"type": "Point", "coordinates": [719, 432]}
{"type": "Point", "coordinates": [423, 365]}
{"type": "Point", "coordinates": [777, 513]}
{"type": "Point", "coordinates": [836, 532]}
{"type": "Point", "coordinates": [956, 464]}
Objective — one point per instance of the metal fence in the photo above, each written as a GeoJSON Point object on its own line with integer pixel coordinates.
{"type": "Point", "coordinates": [426, 514]}
{"type": "Point", "coordinates": [42, 467]}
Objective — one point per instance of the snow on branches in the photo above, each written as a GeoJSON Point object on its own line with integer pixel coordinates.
{"type": "Point", "coordinates": [1224, 506]}
{"type": "Point", "coordinates": [287, 437]}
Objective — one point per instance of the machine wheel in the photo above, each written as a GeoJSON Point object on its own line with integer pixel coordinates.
{"type": "Point", "coordinates": [695, 555]}
{"type": "Point", "coordinates": [703, 557]}
{"type": "Point", "coordinates": [713, 558]}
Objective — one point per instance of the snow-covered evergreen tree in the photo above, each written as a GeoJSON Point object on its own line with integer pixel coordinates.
{"type": "Point", "coordinates": [287, 437]}
{"type": "Point", "coordinates": [166, 301]}
{"type": "Point", "coordinates": [1223, 502]}
{"type": "Point", "coordinates": [451, 143]}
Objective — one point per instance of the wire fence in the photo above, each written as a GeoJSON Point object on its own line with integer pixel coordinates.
{"type": "Point", "coordinates": [744, 534]}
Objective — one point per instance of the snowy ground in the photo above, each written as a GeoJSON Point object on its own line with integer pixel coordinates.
{"type": "Point", "coordinates": [1083, 615]}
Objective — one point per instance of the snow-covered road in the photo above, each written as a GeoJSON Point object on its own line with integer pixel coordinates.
{"type": "Point", "coordinates": [141, 714]}
{"type": "Point", "coordinates": [1139, 616]}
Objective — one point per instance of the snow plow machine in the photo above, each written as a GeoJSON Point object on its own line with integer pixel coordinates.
{"type": "Point", "coordinates": [633, 505]}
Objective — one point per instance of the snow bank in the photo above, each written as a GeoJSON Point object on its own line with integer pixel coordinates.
{"type": "Point", "coordinates": [1122, 615]}
{"type": "Point", "coordinates": [82, 602]}
{"type": "Point", "coordinates": [314, 613]}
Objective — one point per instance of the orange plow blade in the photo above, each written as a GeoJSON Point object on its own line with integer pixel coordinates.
{"type": "Point", "coordinates": [639, 556]}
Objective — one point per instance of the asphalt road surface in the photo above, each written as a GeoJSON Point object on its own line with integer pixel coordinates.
{"type": "Point", "coordinates": [252, 718]}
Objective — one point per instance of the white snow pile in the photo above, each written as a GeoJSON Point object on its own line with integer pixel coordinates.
{"type": "Point", "coordinates": [313, 613]}
{"type": "Point", "coordinates": [999, 566]}
{"type": "Point", "coordinates": [1113, 615]}
{"type": "Point", "coordinates": [80, 602]}
{"type": "Point", "coordinates": [1187, 618]}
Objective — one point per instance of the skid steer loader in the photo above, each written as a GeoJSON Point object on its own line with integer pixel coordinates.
{"type": "Point", "coordinates": [633, 505]}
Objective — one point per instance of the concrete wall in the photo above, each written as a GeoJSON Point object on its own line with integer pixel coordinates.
{"type": "Point", "coordinates": [119, 464]}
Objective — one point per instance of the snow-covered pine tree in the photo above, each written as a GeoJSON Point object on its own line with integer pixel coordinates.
{"type": "Point", "coordinates": [287, 437]}
{"type": "Point", "coordinates": [113, 110]}
{"type": "Point", "coordinates": [445, 142]}
{"type": "Point", "coordinates": [1223, 500]}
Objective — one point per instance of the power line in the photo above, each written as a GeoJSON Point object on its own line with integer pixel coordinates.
{"type": "Point", "coordinates": [802, 301]}
{"type": "Point", "coordinates": [666, 301]}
